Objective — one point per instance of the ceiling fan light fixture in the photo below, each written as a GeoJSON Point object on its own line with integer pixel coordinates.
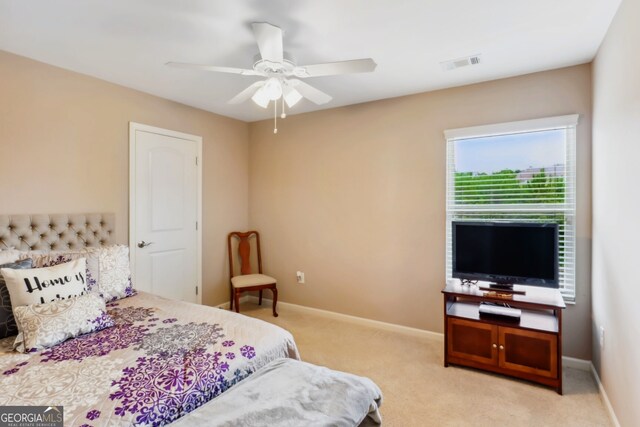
{"type": "Point", "coordinates": [273, 89]}
{"type": "Point", "coordinates": [261, 98]}
{"type": "Point", "coordinates": [280, 75]}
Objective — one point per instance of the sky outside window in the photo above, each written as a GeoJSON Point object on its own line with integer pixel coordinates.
{"type": "Point", "coordinates": [515, 152]}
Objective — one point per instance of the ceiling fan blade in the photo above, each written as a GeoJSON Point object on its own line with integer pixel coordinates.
{"type": "Point", "coordinates": [247, 93]}
{"type": "Point", "coordinates": [217, 69]}
{"type": "Point", "coordinates": [311, 93]}
{"type": "Point", "coordinates": [269, 39]}
{"type": "Point", "coordinates": [332, 68]}
{"type": "Point", "coordinates": [290, 95]}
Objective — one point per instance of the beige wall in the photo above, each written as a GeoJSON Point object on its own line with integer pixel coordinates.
{"type": "Point", "coordinates": [616, 209]}
{"type": "Point", "coordinates": [64, 149]}
{"type": "Point", "coordinates": [355, 197]}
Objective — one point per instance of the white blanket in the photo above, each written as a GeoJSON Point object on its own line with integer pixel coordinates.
{"type": "Point", "coordinates": [288, 392]}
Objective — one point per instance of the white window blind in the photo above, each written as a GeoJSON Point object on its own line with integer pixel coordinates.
{"type": "Point", "coordinates": [519, 171]}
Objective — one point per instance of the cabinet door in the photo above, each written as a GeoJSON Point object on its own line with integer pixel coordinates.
{"type": "Point", "coordinates": [528, 351]}
{"type": "Point", "coordinates": [472, 341]}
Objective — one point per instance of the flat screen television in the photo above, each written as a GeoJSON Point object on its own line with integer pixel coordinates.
{"type": "Point", "coordinates": [506, 253]}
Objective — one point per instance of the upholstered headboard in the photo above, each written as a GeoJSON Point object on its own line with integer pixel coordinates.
{"type": "Point", "coordinates": [56, 232]}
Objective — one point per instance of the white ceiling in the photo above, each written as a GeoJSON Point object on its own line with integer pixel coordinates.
{"type": "Point", "coordinates": [129, 41]}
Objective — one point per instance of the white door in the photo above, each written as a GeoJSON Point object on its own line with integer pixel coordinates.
{"type": "Point", "coordinates": [165, 212]}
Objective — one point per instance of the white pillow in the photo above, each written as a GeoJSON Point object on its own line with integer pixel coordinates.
{"type": "Point", "coordinates": [108, 272]}
{"type": "Point", "coordinates": [9, 255]}
{"type": "Point", "coordinates": [45, 325]}
{"type": "Point", "coordinates": [43, 285]}
{"type": "Point", "coordinates": [114, 281]}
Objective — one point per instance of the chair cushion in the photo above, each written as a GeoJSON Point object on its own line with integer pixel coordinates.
{"type": "Point", "coordinates": [252, 280]}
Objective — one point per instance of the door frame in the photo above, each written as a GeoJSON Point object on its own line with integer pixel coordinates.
{"type": "Point", "coordinates": [133, 127]}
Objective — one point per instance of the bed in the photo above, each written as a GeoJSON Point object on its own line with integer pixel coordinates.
{"type": "Point", "coordinates": [160, 361]}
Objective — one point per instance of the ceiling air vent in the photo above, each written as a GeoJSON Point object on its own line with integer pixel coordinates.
{"type": "Point", "coordinates": [460, 62]}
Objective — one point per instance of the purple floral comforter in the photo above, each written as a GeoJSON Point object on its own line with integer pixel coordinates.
{"type": "Point", "coordinates": [161, 360]}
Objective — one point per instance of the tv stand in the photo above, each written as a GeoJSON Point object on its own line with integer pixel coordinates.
{"type": "Point", "coordinates": [529, 347]}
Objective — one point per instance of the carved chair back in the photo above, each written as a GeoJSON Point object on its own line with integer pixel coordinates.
{"type": "Point", "coordinates": [244, 251]}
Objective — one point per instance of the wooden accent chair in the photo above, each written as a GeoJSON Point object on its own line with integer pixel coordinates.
{"type": "Point", "coordinates": [246, 281]}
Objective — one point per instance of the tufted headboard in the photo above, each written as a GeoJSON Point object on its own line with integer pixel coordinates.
{"type": "Point", "coordinates": [56, 232]}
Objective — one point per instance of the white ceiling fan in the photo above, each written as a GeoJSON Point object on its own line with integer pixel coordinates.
{"type": "Point", "coordinates": [282, 75]}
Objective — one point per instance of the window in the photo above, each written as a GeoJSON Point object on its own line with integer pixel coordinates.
{"type": "Point", "coordinates": [520, 171]}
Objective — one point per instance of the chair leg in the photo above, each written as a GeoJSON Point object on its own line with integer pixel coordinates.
{"type": "Point", "coordinates": [260, 298]}
{"type": "Point", "coordinates": [231, 302]}
{"type": "Point", "coordinates": [236, 296]}
{"type": "Point", "coordinates": [275, 300]}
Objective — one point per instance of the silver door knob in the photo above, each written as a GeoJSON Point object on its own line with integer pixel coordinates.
{"type": "Point", "coordinates": [495, 346]}
{"type": "Point", "coordinates": [143, 244]}
{"type": "Point", "coordinates": [501, 347]}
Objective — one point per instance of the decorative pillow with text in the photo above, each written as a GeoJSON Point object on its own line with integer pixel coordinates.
{"type": "Point", "coordinates": [43, 285]}
{"type": "Point", "coordinates": [45, 325]}
{"type": "Point", "coordinates": [50, 258]}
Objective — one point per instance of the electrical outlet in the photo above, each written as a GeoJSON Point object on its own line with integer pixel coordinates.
{"type": "Point", "coordinates": [601, 336]}
{"type": "Point", "coordinates": [300, 276]}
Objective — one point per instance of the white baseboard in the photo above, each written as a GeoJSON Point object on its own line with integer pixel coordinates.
{"type": "Point", "coordinates": [225, 305]}
{"type": "Point", "coordinates": [356, 320]}
{"type": "Point", "coordinates": [568, 362]}
{"type": "Point", "coordinates": [572, 362]}
{"type": "Point", "coordinates": [587, 365]}
{"type": "Point", "coordinates": [605, 398]}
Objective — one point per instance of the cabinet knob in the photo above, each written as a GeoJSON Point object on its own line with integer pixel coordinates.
{"type": "Point", "coordinates": [495, 346]}
{"type": "Point", "coordinates": [501, 347]}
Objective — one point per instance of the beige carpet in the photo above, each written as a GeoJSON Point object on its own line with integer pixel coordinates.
{"type": "Point", "coordinates": [419, 391]}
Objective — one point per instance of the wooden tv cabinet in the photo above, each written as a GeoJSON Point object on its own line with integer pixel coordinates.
{"type": "Point", "coordinates": [529, 347]}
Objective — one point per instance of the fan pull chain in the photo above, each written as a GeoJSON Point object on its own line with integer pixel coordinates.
{"type": "Point", "coordinates": [275, 116]}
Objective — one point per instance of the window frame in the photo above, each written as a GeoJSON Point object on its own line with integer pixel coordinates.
{"type": "Point", "coordinates": [568, 208]}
